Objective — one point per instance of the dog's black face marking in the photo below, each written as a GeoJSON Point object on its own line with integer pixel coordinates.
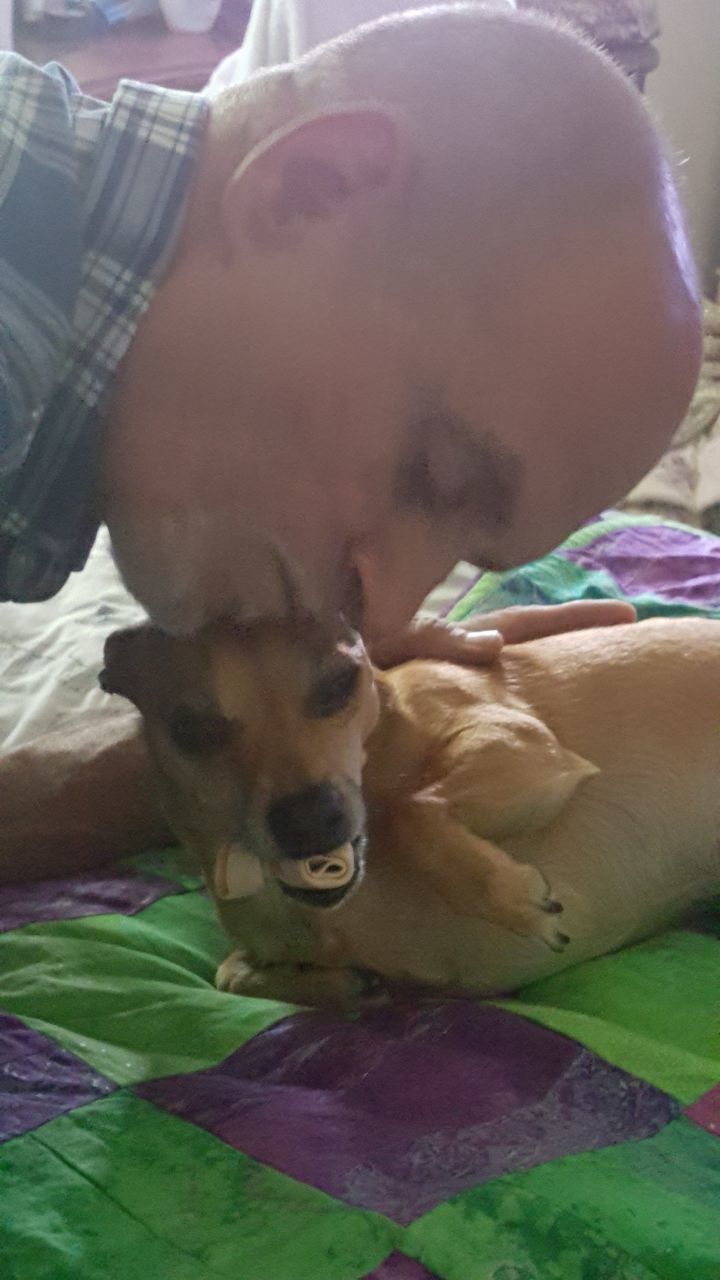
{"type": "Point", "coordinates": [333, 691]}
{"type": "Point", "coordinates": [199, 732]}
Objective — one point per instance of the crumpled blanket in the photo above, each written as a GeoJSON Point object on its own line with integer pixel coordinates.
{"type": "Point", "coordinates": [283, 30]}
{"type": "Point", "coordinates": [608, 21]}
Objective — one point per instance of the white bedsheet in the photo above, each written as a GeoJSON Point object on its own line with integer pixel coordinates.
{"type": "Point", "coordinates": [51, 653]}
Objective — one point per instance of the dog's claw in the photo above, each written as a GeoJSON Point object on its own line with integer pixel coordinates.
{"type": "Point", "coordinates": [542, 908]}
{"type": "Point", "coordinates": [523, 902]}
{"type": "Point", "coordinates": [559, 941]}
{"type": "Point", "coordinates": [553, 907]}
{"type": "Point", "coordinates": [550, 934]}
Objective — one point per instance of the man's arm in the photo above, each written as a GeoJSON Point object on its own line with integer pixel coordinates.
{"type": "Point", "coordinates": [77, 798]}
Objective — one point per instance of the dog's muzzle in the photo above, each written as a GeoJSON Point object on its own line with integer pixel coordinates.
{"type": "Point", "coordinates": [313, 821]}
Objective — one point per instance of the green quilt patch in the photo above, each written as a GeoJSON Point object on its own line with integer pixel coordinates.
{"type": "Point", "coordinates": [132, 995]}
{"type": "Point", "coordinates": [121, 1191]}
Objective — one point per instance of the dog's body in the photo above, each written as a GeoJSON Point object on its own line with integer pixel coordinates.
{"type": "Point", "coordinates": [587, 762]}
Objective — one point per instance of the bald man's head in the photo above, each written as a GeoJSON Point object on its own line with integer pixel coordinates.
{"type": "Point", "coordinates": [513, 130]}
{"type": "Point", "coordinates": [434, 301]}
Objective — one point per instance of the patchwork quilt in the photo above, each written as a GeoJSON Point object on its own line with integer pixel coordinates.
{"type": "Point", "coordinates": [153, 1128]}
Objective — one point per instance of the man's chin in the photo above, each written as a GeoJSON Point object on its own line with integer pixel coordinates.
{"type": "Point", "coordinates": [183, 582]}
{"type": "Point", "coordinates": [152, 581]}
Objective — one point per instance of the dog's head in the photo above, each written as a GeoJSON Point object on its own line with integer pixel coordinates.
{"type": "Point", "coordinates": [258, 736]}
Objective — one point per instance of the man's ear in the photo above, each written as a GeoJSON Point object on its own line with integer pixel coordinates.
{"type": "Point", "coordinates": [310, 171]}
{"type": "Point", "coordinates": [130, 656]}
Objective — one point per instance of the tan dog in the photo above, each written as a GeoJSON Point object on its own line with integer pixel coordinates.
{"type": "Point", "coordinates": [518, 818]}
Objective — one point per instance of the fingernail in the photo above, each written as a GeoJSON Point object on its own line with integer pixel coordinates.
{"type": "Point", "coordinates": [476, 637]}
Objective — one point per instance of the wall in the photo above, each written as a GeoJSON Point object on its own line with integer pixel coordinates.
{"type": "Point", "coordinates": [685, 93]}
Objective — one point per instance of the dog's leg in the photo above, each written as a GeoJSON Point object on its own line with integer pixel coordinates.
{"type": "Point", "coordinates": [472, 875]}
{"type": "Point", "coordinates": [297, 984]}
{"type": "Point", "coordinates": [506, 773]}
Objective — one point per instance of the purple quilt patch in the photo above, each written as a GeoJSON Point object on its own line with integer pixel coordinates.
{"type": "Point", "coordinates": [399, 1267]}
{"type": "Point", "coordinates": [706, 1111]}
{"type": "Point", "coordinates": [39, 1080]}
{"type": "Point", "coordinates": [45, 900]}
{"type": "Point", "coordinates": [677, 565]}
{"type": "Point", "coordinates": [409, 1105]}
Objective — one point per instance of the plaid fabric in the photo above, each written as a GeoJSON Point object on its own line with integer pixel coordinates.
{"type": "Point", "coordinates": [91, 200]}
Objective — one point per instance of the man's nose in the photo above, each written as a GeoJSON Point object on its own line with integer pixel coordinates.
{"type": "Point", "coordinates": [395, 579]}
{"type": "Point", "coordinates": [312, 821]}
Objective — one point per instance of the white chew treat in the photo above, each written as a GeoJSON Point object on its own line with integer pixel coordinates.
{"type": "Point", "coordinates": [238, 874]}
{"type": "Point", "coordinates": [321, 871]}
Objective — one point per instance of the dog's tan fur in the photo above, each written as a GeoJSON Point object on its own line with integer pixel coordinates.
{"type": "Point", "coordinates": [585, 766]}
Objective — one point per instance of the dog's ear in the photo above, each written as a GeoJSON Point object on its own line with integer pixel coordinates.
{"type": "Point", "coordinates": [128, 655]}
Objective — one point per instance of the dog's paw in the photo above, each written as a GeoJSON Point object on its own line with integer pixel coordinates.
{"type": "Point", "coordinates": [340, 989]}
{"type": "Point", "coordinates": [346, 990]}
{"type": "Point", "coordinates": [526, 905]}
{"type": "Point", "coordinates": [235, 975]}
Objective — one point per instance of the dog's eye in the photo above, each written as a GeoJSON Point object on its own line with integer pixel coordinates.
{"type": "Point", "coordinates": [198, 733]}
{"type": "Point", "coordinates": [333, 691]}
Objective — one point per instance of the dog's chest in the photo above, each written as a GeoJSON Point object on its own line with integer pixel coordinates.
{"type": "Point", "coordinates": [274, 930]}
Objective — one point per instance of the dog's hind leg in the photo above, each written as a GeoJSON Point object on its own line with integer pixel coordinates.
{"type": "Point", "coordinates": [505, 773]}
{"type": "Point", "coordinates": [472, 875]}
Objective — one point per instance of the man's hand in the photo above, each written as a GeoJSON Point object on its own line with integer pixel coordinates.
{"type": "Point", "coordinates": [77, 798]}
{"type": "Point", "coordinates": [491, 631]}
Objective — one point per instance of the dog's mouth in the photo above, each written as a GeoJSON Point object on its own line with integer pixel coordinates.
{"type": "Point", "coordinates": [326, 880]}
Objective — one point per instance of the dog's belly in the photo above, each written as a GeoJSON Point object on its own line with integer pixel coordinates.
{"type": "Point", "coordinates": [417, 940]}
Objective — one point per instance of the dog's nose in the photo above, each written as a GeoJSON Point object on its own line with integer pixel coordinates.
{"type": "Point", "coordinates": [313, 821]}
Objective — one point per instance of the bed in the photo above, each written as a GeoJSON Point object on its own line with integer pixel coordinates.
{"type": "Point", "coordinates": [153, 1128]}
